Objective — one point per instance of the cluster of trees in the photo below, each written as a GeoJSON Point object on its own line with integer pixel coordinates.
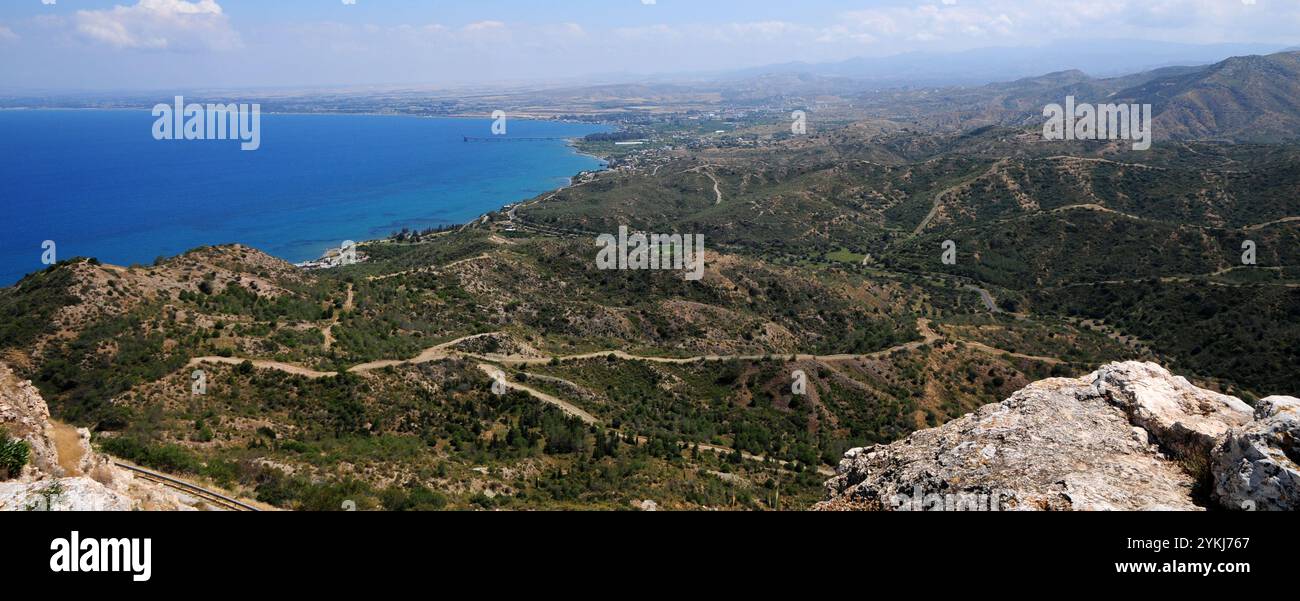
{"type": "Point", "coordinates": [26, 309]}
{"type": "Point", "coordinates": [79, 378]}
{"type": "Point", "coordinates": [238, 300]}
{"type": "Point", "coordinates": [407, 234]}
{"type": "Point", "coordinates": [1248, 335]}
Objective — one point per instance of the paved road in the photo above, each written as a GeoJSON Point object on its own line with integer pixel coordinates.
{"type": "Point", "coordinates": [988, 299]}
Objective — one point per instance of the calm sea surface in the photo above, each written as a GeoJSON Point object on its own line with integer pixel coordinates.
{"type": "Point", "coordinates": [98, 185]}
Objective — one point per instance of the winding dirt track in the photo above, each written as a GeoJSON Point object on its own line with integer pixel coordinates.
{"type": "Point", "coordinates": [436, 353]}
{"type": "Point", "coordinates": [491, 362]}
{"type": "Point", "coordinates": [1260, 226]}
{"type": "Point", "coordinates": [705, 170]}
{"type": "Point", "coordinates": [923, 325]}
{"type": "Point", "coordinates": [1104, 209]}
{"type": "Point", "coordinates": [444, 351]}
{"type": "Point", "coordinates": [328, 331]}
{"type": "Point", "coordinates": [717, 188]}
{"type": "Point", "coordinates": [288, 368]}
{"type": "Point", "coordinates": [495, 372]}
{"type": "Point", "coordinates": [379, 278]}
{"type": "Point", "coordinates": [939, 198]}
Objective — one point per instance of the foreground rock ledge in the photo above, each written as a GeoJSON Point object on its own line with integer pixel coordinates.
{"type": "Point", "coordinates": [1129, 437]}
{"type": "Point", "coordinates": [87, 482]}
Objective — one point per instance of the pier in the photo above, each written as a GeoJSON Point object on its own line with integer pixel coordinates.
{"type": "Point", "coordinates": [508, 139]}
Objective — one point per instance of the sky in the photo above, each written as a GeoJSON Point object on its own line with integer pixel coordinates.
{"type": "Point", "coordinates": [165, 44]}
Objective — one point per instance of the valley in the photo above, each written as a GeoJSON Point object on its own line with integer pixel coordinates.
{"type": "Point", "coordinates": [372, 385]}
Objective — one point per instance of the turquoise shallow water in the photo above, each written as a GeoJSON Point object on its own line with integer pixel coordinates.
{"type": "Point", "coordinates": [98, 185]}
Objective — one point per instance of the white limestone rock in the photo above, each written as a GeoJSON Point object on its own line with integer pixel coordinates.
{"type": "Point", "coordinates": [1183, 418]}
{"type": "Point", "coordinates": [1257, 467]}
{"type": "Point", "coordinates": [62, 494]}
{"type": "Point", "coordinates": [1131, 436]}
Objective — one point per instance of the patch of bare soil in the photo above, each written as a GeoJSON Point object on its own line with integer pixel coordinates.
{"type": "Point", "coordinates": [67, 443]}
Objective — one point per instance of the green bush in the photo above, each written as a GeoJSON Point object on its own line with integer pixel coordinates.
{"type": "Point", "coordinates": [173, 459]}
{"type": "Point", "coordinates": [14, 454]}
{"type": "Point", "coordinates": [412, 498]}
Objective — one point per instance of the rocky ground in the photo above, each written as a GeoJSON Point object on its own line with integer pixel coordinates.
{"type": "Point", "coordinates": [54, 481]}
{"type": "Point", "coordinates": [1130, 436]}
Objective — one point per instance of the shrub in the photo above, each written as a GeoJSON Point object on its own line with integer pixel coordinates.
{"type": "Point", "coordinates": [14, 454]}
{"type": "Point", "coordinates": [168, 458]}
{"type": "Point", "coordinates": [412, 498]}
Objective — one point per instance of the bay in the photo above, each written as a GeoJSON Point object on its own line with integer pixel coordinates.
{"type": "Point", "coordinates": [99, 185]}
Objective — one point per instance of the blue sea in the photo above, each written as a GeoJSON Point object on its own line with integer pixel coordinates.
{"type": "Point", "coordinates": [98, 185]}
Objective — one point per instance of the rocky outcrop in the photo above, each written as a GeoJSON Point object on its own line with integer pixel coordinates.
{"type": "Point", "coordinates": [1256, 468]}
{"type": "Point", "coordinates": [61, 494]}
{"type": "Point", "coordinates": [1131, 436]}
{"type": "Point", "coordinates": [81, 479]}
{"type": "Point", "coordinates": [24, 415]}
{"type": "Point", "coordinates": [1186, 420]}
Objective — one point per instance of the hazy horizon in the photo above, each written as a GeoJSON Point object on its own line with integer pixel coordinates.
{"type": "Point", "coordinates": [125, 45]}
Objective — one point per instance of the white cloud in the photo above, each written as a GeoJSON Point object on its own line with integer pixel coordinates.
{"type": "Point", "coordinates": [160, 25]}
{"type": "Point", "coordinates": [930, 22]}
{"type": "Point", "coordinates": [351, 50]}
{"type": "Point", "coordinates": [485, 26]}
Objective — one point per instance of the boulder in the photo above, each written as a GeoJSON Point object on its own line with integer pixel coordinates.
{"type": "Point", "coordinates": [63, 494]}
{"type": "Point", "coordinates": [1131, 436]}
{"type": "Point", "coordinates": [1186, 420]}
{"type": "Point", "coordinates": [1056, 445]}
{"type": "Point", "coordinates": [1257, 467]}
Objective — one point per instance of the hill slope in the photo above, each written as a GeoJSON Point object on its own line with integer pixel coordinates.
{"type": "Point", "coordinates": [1241, 99]}
{"type": "Point", "coordinates": [1254, 98]}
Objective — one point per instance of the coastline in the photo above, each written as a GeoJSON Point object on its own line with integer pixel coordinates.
{"type": "Point", "coordinates": [428, 212]}
{"type": "Point", "coordinates": [321, 261]}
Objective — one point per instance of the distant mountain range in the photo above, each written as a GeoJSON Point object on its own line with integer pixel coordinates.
{"type": "Point", "coordinates": [1247, 98]}
{"type": "Point", "coordinates": [1243, 98]}
{"type": "Point", "coordinates": [1109, 58]}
